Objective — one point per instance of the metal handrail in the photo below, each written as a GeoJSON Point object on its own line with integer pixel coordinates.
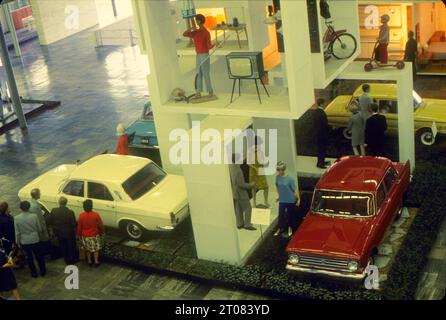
{"type": "Point", "coordinates": [131, 36]}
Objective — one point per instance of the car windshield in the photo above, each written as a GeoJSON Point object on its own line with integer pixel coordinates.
{"type": "Point", "coordinates": [342, 203]}
{"type": "Point", "coordinates": [417, 100]}
{"type": "Point", "coordinates": [143, 181]}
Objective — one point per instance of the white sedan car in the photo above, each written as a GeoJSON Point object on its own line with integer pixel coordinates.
{"type": "Point", "coordinates": [130, 193]}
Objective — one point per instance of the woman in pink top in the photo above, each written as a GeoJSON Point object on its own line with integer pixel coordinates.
{"type": "Point", "coordinates": [89, 229]}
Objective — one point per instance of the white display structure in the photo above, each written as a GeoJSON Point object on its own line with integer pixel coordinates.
{"type": "Point", "coordinates": [208, 185]}
{"type": "Point", "coordinates": [345, 15]}
{"type": "Point", "coordinates": [210, 197]}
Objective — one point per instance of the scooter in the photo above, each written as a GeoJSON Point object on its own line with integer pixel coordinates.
{"type": "Point", "coordinates": [375, 64]}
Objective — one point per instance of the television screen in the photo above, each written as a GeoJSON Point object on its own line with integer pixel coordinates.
{"type": "Point", "coordinates": [240, 67]}
{"type": "Point", "coordinates": [245, 65]}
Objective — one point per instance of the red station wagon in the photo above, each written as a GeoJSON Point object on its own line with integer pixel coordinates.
{"type": "Point", "coordinates": [354, 205]}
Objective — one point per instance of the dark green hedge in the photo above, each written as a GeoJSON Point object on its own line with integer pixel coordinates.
{"type": "Point", "coordinates": [411, 259]}
{"type": "Point", "coordinates": [428, 177]}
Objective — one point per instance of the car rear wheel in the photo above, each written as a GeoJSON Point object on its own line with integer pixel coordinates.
{"type": "Point", "coordinates": [133, 230]}
{"type": "Point", "coordinates": [426, 136]}
{"type": "Point", "coordinates": [347, 134]}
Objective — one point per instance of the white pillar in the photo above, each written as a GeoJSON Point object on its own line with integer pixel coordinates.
{"type": "Point", "coordinates": [157, 39]}
{"type": "Point", "coordinates": [406, 136]}
{"type": "Point", "coordinates": [210, 196]}
{"type": "Point", "coordinates": [299, 73]}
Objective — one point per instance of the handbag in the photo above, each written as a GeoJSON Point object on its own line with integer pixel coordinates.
{"type": "Point", "coordinates": [18, 257]}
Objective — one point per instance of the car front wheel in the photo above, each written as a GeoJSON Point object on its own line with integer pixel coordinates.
{"type": "Point", "coordinates": [133, 230]}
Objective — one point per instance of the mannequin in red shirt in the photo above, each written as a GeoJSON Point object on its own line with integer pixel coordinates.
{"type": "Point", "coordinates": [202, 41]}
{"type": "Point", "coordinates": [123, 144]}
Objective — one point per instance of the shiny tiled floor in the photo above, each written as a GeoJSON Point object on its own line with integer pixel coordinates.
{"type": "Point", "coordinates": [98, 89]}
{"type": "Point", "coordinates": [112, 282]}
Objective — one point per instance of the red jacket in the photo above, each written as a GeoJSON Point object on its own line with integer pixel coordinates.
{"type": "Point", "coordinates": [123, 146]}
{"type": "Point", "coordinates": [202, 40]}
{"type": "Point", "coordinates": [90, 225]}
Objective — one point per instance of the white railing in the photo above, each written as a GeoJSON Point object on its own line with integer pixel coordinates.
{"type": "Point", "coordinates": [116, 37]}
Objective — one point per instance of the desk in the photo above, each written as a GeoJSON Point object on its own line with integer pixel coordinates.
{"type": "Point", "coordinates": [240, 28]}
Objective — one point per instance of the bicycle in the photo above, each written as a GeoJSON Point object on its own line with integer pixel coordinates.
{"type": "Point", "coordinates": [340, 44]}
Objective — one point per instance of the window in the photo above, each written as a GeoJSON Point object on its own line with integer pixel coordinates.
{"type": "Point", "coordinates": [99, 191]}
{"type": "Point", "coordinates": [380, 195]}
{"type": "Point", "coordinates": [388, 106]}
{"type": "Point", "coordinates": [74, 188]}
{"type": "Point", "coordinates": [390, 179]}
{"type": "Point", "coordinates": [143, 181]}
{"type": "Point", "coordinates": [342, 203]}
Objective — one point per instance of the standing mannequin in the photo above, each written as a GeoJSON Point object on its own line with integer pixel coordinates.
{"type": "Point", "coordinates": [384, 39]}
{"type": "Point", "coordinates": [257, 174]}
{"type": "Point", "coordinates": [356, 125]}
{"type": "Point", "coordinates": [289, 199]}
{"type": "Point", "coordinates": [240, 195]}
{"type": "Point", "coordinates": [122, 147]}
{"type": "Point", "coordinates": [365, 102]}
{"type": "Point", "coordinates": [410, 52]}
{"type": "Point", "coordinates": [202, 41]}
{"type": "Point", "coordinates": [375, 128]}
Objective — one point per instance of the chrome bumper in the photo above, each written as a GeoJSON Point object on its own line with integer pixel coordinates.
{"type": "Point", "coordinates": [175, 219]}
{"type": "Point", "coordinates": [337, 274]}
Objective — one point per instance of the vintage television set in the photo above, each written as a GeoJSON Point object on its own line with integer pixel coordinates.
{"type": "Point", "coordinates": [245, 65]}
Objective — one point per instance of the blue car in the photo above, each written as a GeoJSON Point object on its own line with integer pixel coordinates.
{"type": "Point", "coordinates": [142, 132]}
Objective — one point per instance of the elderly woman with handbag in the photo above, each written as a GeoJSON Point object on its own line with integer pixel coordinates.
{"type": "Point", "coordinates": [90, 228]}
{"type": "Point", "coordinates": [7, 278]}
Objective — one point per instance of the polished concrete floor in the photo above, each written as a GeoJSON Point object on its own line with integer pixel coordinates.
{"type": "Point", "coordinates": [112, 282]}
{"type": "Point", "coordinates": [98, 89]}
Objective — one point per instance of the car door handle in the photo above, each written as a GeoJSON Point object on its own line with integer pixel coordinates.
{"type": "Point", "coordinates": [110, 206]}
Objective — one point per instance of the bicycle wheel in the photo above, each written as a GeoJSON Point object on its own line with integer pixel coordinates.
{"type": "Point", "coordinates": [343, 46]}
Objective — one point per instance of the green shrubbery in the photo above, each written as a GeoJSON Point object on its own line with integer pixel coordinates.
{"type": "Point", "coordinates": [412, 257]}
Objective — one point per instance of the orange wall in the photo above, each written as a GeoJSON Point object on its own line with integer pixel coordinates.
{"type": "Point", "coordinates": [425, 15]}
{"type": "Point", "coordinates": [440, 9]}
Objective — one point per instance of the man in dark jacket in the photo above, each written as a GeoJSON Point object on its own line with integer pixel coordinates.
{"type": "Point", "coordinates": [410, 53]}
{"type": "Point", "coordinates": [375, 128]}
{"type": "Point", "coordinates": [321, 131]}
{"type": "Point", "coordinates": [63, 222]}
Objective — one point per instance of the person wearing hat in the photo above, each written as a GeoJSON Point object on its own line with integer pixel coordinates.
{"type": "Point", "coordinates": [289, 199]}
{"type": "Point", "coordinates": [384, 39]}
{"type": "Point", "coordinates": [123, 143]}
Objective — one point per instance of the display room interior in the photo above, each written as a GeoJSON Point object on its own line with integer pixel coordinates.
{"type": "Point", "coordinates": [219, 149]}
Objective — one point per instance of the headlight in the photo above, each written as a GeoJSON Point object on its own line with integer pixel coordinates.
{"type": "Point", "coordinates": [293, 258]}
{"type": "Point", "coordinates": [353, 266]}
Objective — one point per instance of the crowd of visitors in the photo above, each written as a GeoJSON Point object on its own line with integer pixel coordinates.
{"type": "Point", "coordinates": [367, 126]}
{"type": "Point", "coordinates": [34, 234]}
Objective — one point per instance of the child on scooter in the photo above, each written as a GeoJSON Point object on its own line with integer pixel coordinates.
{"type": "Point", "coordinates": [383, 39]}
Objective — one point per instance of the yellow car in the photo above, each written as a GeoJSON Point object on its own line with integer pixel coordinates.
{"type": "Point", "coordinates": [429, 114]}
